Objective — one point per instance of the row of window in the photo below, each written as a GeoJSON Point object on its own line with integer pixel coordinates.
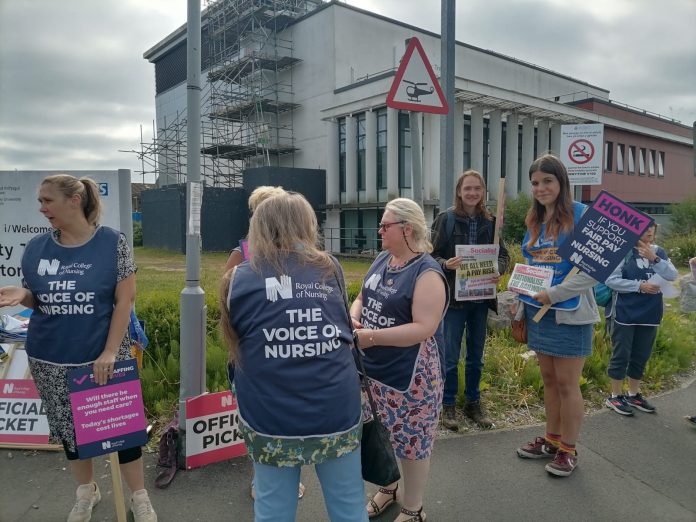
{"type": "Point", "coordinates": [624, 159]}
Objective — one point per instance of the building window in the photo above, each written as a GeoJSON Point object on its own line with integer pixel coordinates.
{"type": "Point", "coordinates": [641, 162]}
{"type": "Point", "coordinates": [467, 142]}
{"type": "Point", "coordinates": [608, 156]}
{"type": "Point", "coordinates": [360, 142]}
{"type": "Point", "coordinates": [382, 148]}
{"type": "Point", "coordinates": [651, 162]}
{"type": "Point", "coordinates": [342, 154]}
{"type": "Point", "coordinates": [661, 164]}
{"type": "Point", "coordinates": [404, 150]}
{"type": "Point", "coordinates": [620, 153]}
{"type": "Point", "coordinates": [631, 159]}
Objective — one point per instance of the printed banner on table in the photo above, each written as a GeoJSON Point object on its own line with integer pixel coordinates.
{"type": "Point", "coordinates": [530, 280]}
{"type": "Point", "coordinates": [111, 417]}
{"type": "Point", "coordinates": [22, 415]}
{"type": "Point", "coordinates": [607, 231]}
{"type": "Point", "coordinates": [475, 278]}
{"type": "Point", "coordinates": [212, 432]}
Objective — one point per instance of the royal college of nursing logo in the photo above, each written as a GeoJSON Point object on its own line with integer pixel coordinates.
{"type": "Point", "coordinates": [373, 281]}
{"type": "Point", "coordinates": [275, 288]}
{"type": "Point", "coordinates": [48, 267]}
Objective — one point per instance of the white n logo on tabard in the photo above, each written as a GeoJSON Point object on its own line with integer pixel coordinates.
{"type": "Point", "coordinates": [275, 288]}
{"type": "Point", "coordinates": [48, 267]}
{"type": "Point", "coordinates": [373, 281]}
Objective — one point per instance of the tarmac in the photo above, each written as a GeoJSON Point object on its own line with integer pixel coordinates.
{"type": "Point", "coordinates": [640, 468]}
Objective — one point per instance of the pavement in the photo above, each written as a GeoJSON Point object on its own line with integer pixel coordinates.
{"type": "Point", "coordinates": [640, 468]}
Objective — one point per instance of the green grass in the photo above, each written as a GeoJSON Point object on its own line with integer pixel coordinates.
{"type": "Point", "coordinates": [512, 389]}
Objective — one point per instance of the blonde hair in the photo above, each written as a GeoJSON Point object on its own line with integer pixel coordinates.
{"type": "Point", "coordinates": [411, 213]}
{"type": "Point", "coordinates": [281, 225]}
{"type": "Point", "coordinates": [85, 187]}
{"type": "Point", "coordinates": [262, 193]}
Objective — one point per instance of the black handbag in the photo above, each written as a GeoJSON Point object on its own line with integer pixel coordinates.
{"type": "Point", "coordinates": [376, 453]}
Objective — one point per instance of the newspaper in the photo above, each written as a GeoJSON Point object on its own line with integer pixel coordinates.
{"type": "Point", "coordinates": [530, 280]}
{"type": "Point", "coordinates": [476, 276]}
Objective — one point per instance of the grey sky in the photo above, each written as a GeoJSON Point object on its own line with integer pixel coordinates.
{"type": "Point", "coordinates": [74, 87]}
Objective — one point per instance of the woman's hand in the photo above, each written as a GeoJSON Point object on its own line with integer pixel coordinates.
{"type": "Point", "coordinates": [542, 297]}
{"type": "Point", "coordinates": [645, 250]}
{"type": "Point", "coordinates": [649, 288]}
{"type": "Point", "coordinates": [12, 295]}
{"type": "Point", "coordinates": [103, 367]}
{"type": "Point", "coordinates": [357, 325]}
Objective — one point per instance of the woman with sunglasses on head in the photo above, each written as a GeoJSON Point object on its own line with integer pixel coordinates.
{"type": "Point", "coordinates": [562, 339]}
{"type": "Point", "coordinates": [397, 320]}
{"type": "Point", "coordinates": [91, 334]}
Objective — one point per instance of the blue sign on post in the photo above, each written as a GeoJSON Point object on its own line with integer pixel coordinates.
{"type": "Point", "coordinates": [607, 231]}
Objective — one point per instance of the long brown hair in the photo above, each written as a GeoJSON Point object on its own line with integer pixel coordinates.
{"type": "Point", "coordinates": [229, 333]}
{"type": "Point", "coordinates": [481, 209]}
{"type": "Point", "coordinates": [563, 214]}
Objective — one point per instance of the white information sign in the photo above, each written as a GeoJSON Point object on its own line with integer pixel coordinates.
{"type": "Point", "coordinates": [582, 148]}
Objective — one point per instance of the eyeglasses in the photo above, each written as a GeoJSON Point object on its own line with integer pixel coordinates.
{"type": "Point", "coordinates": [385, 226]}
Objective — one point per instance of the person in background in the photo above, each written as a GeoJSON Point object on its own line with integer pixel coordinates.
{"type": "Point", "coordinates": [257, 196]}
{"type": "Point", "coordinates": [468, 223]}
{"type": "Point", "coordinates": [562, 339]}
{"type": "Point", "coordinates": [691, 419]}
{"type": "Point", "coordinates": [284, 318]}
{"type": "Point", "coordinates": [637, 311]}
{"type": "Point", "coordinates": [60, 342]}
{"type": "Point", "coordinates": [397, 317]}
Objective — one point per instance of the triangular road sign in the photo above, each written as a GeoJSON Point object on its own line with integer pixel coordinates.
{"type": "Point", "coordinates": [415, 87]}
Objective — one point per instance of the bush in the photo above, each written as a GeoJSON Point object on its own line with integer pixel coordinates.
{"type": "Point", "coordinates": [680, 248]}
{"type": "Point", "coordinates": [137, 234]}
{"type": "Point", "coordinates": [515, 212]}
{"type": "Point", "coordinates": [683, 216]}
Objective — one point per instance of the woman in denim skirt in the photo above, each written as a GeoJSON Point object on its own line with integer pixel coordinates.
{"type": "Point", "coordinates": [562, 339]}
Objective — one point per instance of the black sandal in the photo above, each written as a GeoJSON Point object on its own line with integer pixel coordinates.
{"type": "Point", "coordinates": [377, 510]}
{"type": "Point", "coordinates": [416, 516]}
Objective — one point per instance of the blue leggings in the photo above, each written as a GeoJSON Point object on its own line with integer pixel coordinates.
{"type": "Point", "coordinates": [340, 479]}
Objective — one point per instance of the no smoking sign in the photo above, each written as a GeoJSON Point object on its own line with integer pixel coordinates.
{"type": "Point", "coordinates": [581, 152]}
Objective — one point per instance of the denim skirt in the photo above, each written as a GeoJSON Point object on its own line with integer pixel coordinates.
{"type": "Point", "coordinates": [557, 340]}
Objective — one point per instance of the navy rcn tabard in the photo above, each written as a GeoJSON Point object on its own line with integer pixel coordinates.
{"type": "Point", "coordinates": [296, 376]}
{"type": "Point", "coordinates": [387, 296]}
{"type": "Point", "coordinates": [73, 289]}
{"type": "Point", "coordinates": [634, 308]}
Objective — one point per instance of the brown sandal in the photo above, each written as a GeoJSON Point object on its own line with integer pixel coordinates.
{"type": "Point", "coordinates": [377, 510]}
{"type": "Point", "coordinates": [416, 516]}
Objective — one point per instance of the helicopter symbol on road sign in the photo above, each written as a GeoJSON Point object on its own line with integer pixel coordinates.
{"type": "Point", "coordinates": [414, 92]}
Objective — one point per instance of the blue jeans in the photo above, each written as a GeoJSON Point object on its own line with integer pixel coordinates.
{"type": "Point", "coordinates": [473, 317]}
{"type": "Point", "coordinates": [340, 479]}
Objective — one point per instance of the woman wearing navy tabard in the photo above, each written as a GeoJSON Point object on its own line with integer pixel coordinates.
{"type": "Point", "coordinates": [61, 338]}
{"type": "Point", "coordinates": [397, 319]}
{"type": "Point", "coordinates": [562, 339]}
{"type": "Point", "coordinates": [295, 379]}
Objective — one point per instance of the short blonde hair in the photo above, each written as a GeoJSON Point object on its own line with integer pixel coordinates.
{"type": "Point", "coordinates": [411, 213]}
{"type": "Point", "coordinates": [262, 193]}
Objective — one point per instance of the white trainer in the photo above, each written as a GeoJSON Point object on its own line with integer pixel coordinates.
{"type": "Point", "coordinates": [142, 508]}
{"type": "Point", "coordinates": [87, 496]}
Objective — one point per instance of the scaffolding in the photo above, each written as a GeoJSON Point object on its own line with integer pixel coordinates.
{"type": "Point", "coordinates": [247, 102]}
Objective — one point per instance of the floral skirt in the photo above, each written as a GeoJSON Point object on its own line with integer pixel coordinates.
{"type": "Point", "coordinates": [411, 417]}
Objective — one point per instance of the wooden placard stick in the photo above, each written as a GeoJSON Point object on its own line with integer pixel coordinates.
{"type": "Point", "coordinates": [499, 211]}
{"type": "Point", "coordinates": [42, 447]}
{"type": "Point", "coordinates": [545, 308]}
{"type": "Point", "coordinates": [118, 487]}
